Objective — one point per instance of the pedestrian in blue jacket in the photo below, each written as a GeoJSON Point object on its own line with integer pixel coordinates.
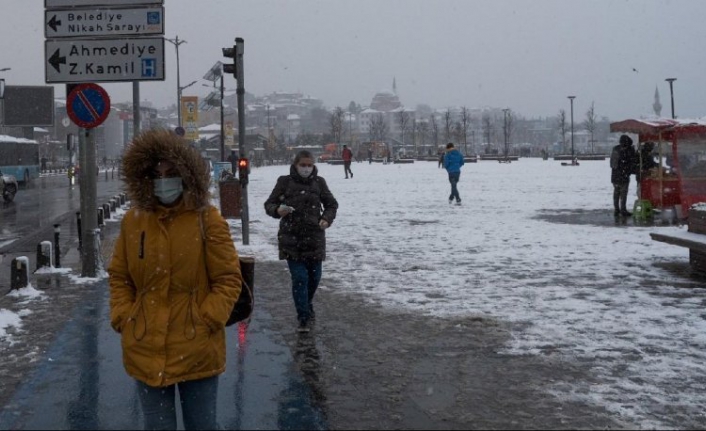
{"type": "Point", "coordinates": [453, 160]}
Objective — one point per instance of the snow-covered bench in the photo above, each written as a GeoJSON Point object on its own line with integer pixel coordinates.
{"type": "Point", "coordinates": [694, 239]}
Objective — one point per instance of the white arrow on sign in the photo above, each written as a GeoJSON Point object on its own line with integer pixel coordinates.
{"type": "Point", "coordinates": [103, 22]}
{"type": "Point", "coordinates": [104, 60]}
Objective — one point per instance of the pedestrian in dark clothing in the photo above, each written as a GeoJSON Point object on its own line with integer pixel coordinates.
{"type": "Point", "coordinates": [453, 160]}
{"type": "Point", "coordinates": [370, 156]}
{"type": "Point", "coordinates": [347, 156]}
{"type": "Point", "coordinates": [441, 159]}
{"type": "Point", "coordinates": [645, 160]}
{"type": "Point", "coordinates": [306, 207]}
{"type": "Point", "coordinates": [622, 163]}
{"type": "Point", "coordinates": [233, 159]}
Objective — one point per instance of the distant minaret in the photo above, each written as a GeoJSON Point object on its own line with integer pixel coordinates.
{"type": "Point", "coordinates": [657, 106]}
{"type": "Point", "coordinates": [394, 86]}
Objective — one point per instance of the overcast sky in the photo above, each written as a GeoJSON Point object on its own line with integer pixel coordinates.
{"type": "Point", "coordinates": [526, 55]}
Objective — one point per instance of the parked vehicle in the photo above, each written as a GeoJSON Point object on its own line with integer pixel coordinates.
{"type": "Point", "coordinates": [9, 187]}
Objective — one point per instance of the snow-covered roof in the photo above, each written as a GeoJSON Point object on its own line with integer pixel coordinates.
{"type": "Point", "coordinates": [210, 128]}
{"type": "Point", "coordinates": [654, 125]}
{"type": "Point", "coordinates": [8, 138]}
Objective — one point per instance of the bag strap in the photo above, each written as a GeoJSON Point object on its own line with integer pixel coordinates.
{"type": "Point", "coordinates": [205, 252]}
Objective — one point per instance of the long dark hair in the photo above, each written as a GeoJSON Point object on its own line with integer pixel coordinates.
{"type": "Point", "coordinates": [303, 154]}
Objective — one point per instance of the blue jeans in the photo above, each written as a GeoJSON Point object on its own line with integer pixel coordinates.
{"type": "Point", "coordinates": [305, 279]}
{"type": "Point", "coordinates": [198, 405]}
{"type": "Point", "coordinates": [453, 179]}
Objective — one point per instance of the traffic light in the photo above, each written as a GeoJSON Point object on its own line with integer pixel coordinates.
{"type": "Point", "coordinates": [243, 170]}
{"type": "Point", "coordinates": [230, 68]}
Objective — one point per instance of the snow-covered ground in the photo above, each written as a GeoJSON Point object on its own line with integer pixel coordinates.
{"type": "Point", "coordinates": [591, 293]}
{"type": "Point", "coordinates": [585, 292]}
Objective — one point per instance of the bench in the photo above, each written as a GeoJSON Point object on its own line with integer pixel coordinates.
{"type": "Point", "coordinates": [694, 239]}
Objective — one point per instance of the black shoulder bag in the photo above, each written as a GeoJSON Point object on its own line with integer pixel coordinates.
{"type": "Point", "coordinates": [244, 306]}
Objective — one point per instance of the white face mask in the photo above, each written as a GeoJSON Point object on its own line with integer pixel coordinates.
{"type": "Point", "coordinates": [305, 172]}
{"type": "Point", "coordinates": [168, 190]}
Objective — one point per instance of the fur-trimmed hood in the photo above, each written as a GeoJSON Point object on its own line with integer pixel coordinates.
{"type": "Point", "coordinates": [143, 154]}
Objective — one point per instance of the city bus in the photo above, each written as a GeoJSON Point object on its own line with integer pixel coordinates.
{"type": "Point", "coordinates": [19, 157]}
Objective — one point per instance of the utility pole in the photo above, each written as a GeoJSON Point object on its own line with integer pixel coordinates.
{"type": "Point", "coordinates": [505, 130]}
{"type": "Point", "coordinates": [671, 93]}
{"type": "Point", "coordinates": [89, 217]}
{"type": "Point", "coordinates": [176, 42]}
{"type": "Point", "coordinates": [135, 109]}
{"type": "Point", "coordinates": [571, 98]}
{"type": "Point", "coordinates": [223, 127]}
{"type": "Point", "coordinates": [240, 91]}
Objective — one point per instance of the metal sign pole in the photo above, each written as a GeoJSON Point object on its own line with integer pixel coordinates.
{"type": "Point", "coordinates": [135, 109]}
{"type": "Point", "coordinates": [245, 217]}
{"type": "Point", "coordinates": [89, 219]}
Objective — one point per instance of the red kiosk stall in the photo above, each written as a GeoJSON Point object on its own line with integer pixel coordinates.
{"type": "Point", "coordinates": [679, 181]}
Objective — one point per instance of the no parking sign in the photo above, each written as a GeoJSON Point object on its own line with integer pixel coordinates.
{"type": "Point", "coordinates": [88, 105]}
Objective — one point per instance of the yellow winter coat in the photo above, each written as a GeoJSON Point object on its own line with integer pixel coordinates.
{"type": "Point", "coordinates": [171, 293]}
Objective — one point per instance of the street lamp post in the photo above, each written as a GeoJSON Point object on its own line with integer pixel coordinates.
{"type": "Point", "coordinates": [2, 101]}
{"type": "Point", "coordinates": [2, 97]}
{"type": "Point", "coordinates": [571, 98]}
{"type": "Point", "coordinates": [176, 42]}
{"type": "Point", "coordinates": [505, 111]}
{"type": "Point", "coordinates": [671, 93]}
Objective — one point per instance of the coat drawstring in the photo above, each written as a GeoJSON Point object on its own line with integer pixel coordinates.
{"type": "Point", "coordinates": [190, 332]}
{"type": "Point", "coordinates": [140, 311]}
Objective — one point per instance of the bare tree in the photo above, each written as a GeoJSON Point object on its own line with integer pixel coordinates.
{"type": "Point", "coordinates": [507, 130]}
{"type": "Point", "coordinates": [465, 125]}
{"type": "Point", "coordinates": [336, 123]}
{"type": "Point", "coordinates": [434, 130]}
{"type": "Point", "coordinates": [457, 132]}
{"type": "Point", "coordinates": [423, 127]}
{"type": "Point", "coordinates": [561, 126]}
{"type": "Point", "coordinates": [590, 123]}
{"type": "Point", "coordinates": [378, 127]}
{"type": "Point", "coordinates": [487, 124]}
{"type": "Point", "coordinates": [403, 118]}
{"type": "Point", "coordinates": [448, 125]}
{"type": "Point", "coordinates": [415, 132]}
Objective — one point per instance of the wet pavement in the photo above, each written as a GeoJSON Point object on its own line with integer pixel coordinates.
{"type": "Point", "coordinates": [81, 383]}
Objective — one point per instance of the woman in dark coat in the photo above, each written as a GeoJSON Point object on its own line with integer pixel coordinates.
{"type": "Point", "coordinates": [306, 207]}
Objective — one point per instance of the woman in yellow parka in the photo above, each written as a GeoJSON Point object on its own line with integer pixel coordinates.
{"type": "Point", "coordinates": [174, 278]}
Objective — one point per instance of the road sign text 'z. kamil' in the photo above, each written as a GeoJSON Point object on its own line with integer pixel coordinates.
{"type": "Point", "coordinates": [104, 60]}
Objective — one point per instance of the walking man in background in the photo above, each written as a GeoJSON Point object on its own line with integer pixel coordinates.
{"type": "Point", "coordinates": [622, 164]}
{"type": "Point", "coordinates": [347, 155]}
{"type": "Point", "coordinates": [453, 160]}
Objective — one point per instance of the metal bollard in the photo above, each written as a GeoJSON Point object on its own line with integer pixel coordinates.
{"type": "Point", "coordinates": [44, 254]}
{"type": "Point", "coordinates": [101, 220]}
{"type": "Point", "coordinates": [112, 205]}
{"type": "Point", "coordinates": [57, 253]}
{"type": "Point", "coordinates": [123, 198]}
{"type": "Point", "coordinates": [78, 228]}
{"type": "Point", "coordinates": [19, 273]}
{"type": "Point", "coordinates": [106, 211]}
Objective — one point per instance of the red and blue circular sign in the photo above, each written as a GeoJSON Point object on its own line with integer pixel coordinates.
{"type": "Point", "coordinates": [88, 105]}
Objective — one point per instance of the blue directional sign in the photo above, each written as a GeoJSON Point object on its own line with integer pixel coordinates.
{"type": "Point", "coordinates": [88, 105]}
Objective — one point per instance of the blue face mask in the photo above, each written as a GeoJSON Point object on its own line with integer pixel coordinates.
{"type": "Point", "coordinates": [168, 190]}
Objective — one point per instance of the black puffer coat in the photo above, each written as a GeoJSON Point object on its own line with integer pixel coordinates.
{"type": "Point", "coordinates": [300, 237]}
{"type": "Point", "coordinates": [622, 163]}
